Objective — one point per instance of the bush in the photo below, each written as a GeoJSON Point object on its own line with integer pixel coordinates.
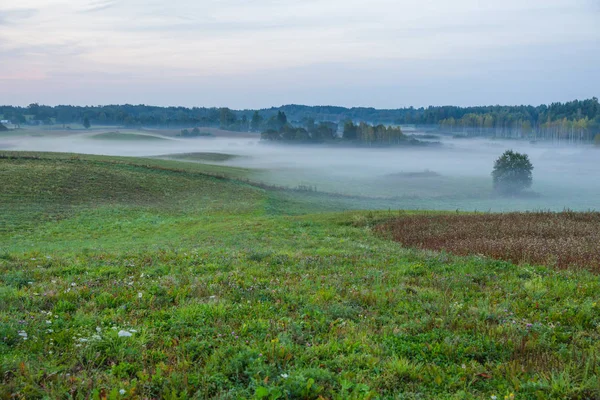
{"type": "Point", "coordinates": [512, 173]}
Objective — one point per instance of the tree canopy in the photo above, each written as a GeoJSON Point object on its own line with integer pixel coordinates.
{"type": "Point", "coordinates": [512, 173]}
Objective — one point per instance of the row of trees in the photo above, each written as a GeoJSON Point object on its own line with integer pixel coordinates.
{"type": "Point", "coordinates": [279, 129]}
{"type": "Point", "coordinates": [501, 125]}
{"type": "Point", "coordinates": [575, 119]}
{"type": "Point", "coordinates": [310, 131]}
{"type": "Point", "coordinates": [365, 133]}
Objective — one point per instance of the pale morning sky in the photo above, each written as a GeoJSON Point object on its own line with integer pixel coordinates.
{"type": "Point", "coordinates": [262, 53]}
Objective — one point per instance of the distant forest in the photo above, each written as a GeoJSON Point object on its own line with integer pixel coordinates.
{"type": "Point", "coordinates": [575, 120]}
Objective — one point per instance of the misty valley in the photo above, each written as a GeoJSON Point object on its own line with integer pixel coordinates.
{"type": "Point", "coordinates": [446, 252]}
{"type": "Point", "coordinates": [445, 173]}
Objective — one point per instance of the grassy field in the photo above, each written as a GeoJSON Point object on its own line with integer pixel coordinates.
{"type": "Point", "coordinates": [201, 157]}
{"type": "Point", "coordinates": [125, 136]}
{"type": "Point", "coordinates": [136, 278]}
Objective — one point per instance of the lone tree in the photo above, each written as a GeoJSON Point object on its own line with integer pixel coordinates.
{"type": "Point", "coordinates": [86, 123]}
{"type": "Point", "coordinates": [512, 173]}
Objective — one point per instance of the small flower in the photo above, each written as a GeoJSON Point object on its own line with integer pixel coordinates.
{"type": "Point", "coordinates": [493, 397]}
{"type": "Point", "coordinates": [284, 376]}
{"type": "Point", "coordinates": [123, 333]}
{"type": "Point", "coordinates": [140, 295]}
{"type": "Point", "coordinates": [48, 322]}
{"type": "Point", "coordinates": [122, 392]}
{"type": "Point", "coordinates": [73, 284]}
{"type": "Point", "coordinates": [98, 329]}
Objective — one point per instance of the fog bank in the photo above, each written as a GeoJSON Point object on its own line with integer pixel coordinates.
{"type": "Point", "coordinates": [458, 171]}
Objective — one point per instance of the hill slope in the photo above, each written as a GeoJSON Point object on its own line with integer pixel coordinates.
{"type": "Point", "coordinates": [155, 279]}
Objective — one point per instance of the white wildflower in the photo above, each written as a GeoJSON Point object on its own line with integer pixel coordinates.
{"type": "Point", "coordinates": [122, 392]}
{"type": "Point", "coordinates": [140, 295]}
{"type": "Point", "coordinates": [123, 333]}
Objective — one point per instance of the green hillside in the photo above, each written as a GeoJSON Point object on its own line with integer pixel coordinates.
{"type": "Point", "coordinates": [145, 278]}
{"type": "Point", "coordinates": [125, 136]}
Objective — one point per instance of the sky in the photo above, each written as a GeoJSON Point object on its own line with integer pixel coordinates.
{"type": "Point", "coordinates": [263, 53]}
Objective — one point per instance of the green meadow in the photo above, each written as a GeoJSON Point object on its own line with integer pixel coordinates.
{"type": "Point", "coordinates": [125, 136]}
{"type": "Point", "coordinates": [130, 278]}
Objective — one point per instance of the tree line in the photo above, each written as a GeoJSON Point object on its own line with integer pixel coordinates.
{"type": "Point", "coordinates": [574, 120]}
{"type": "Point", "coordinates": [310, 131]}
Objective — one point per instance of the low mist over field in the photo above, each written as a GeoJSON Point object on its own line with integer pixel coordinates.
{"type": "Point", "coordinates": [227, 199]}
{"type": "Point", "coordinates": [453, 174]}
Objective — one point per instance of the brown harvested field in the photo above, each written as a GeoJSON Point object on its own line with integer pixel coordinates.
{"type": "Point", "coordinates": [562, 240]}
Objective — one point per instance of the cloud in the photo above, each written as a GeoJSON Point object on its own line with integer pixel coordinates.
{"type": "Point", "coordinates": [13, 16]}
{"type": "Point", "coordinates": [348, 45]}
{"type": "Point", "coordinates": [102, 5]}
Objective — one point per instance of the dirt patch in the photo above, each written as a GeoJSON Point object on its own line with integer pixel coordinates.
{"type": "Point", "coordinates": [562, 240]}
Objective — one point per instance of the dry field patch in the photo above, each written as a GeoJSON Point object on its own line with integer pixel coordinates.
{"type": "Point", "coordinates": [562, 240]}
